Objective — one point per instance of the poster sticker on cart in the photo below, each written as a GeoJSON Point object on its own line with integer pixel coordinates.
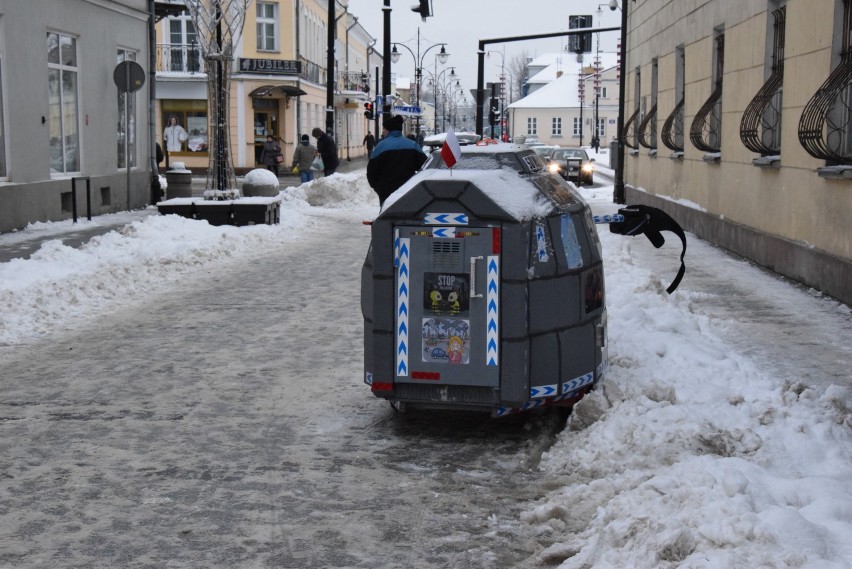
{"type": "Point", "coordinates": [446, 294]}
{"type": "Point", "coordinates": [446, 340]}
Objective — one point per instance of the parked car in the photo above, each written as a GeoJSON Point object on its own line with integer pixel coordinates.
{"type": "Point", "coordinates": [572, 164]}
{"type": "Point", "coordinates": [494, 156]}
{"type": "Point", "coordinates": [544, 151]}
{"type": "Point", "coordinates": [464, 138]}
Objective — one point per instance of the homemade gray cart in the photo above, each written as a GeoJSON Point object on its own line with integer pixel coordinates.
{"type": "Point", "coordinates": [470, 305]}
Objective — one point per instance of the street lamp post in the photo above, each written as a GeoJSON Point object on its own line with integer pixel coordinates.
{"type": "Point", "coordinates": [446, 87]}
{"type": "Point", "coordinates": [618, 188]}
{"type": "Point", "coordinates": [418, 65]}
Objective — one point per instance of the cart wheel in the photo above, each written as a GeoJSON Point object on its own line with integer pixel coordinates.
{"type": "Point", "coordinates": [398, 406]}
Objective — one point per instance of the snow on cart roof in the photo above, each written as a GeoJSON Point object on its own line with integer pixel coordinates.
{"type": "Point", "coordinates": [514, 193]}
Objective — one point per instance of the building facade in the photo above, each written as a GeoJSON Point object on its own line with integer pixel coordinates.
{"type": "Point", "coordinates": [278, 81]}
{"type": "Point", "coordinates": [63, 121]}
{"type": "Point", "coordinates": [569, 109]}
{"type": "Point", "coordinates": [740, 125]}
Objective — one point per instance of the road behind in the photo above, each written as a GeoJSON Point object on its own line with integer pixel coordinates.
{"type": "Point", "coordinates": [223, 423]}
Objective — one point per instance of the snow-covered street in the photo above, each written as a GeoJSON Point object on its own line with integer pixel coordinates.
{"type": "Point", "coordinates": [181, 395]}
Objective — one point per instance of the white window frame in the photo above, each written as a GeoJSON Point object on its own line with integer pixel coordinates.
{"type": "Point", "coordinates": [556, 126]}
{"type": "Point", "coordinates": [578, 126]}
{"type": "Point", "coordinates": [532, 126]}
{"type": "Point", "coordinates": [58, 118]}
{"type": "Point", "coordinates": [4, 155]}
{"type": "Point", "coordinates": [267, 25]}
{"type": "Point", "coordinates": [130, 100]}
{"type": "Point", "coordinates": [184, 55]}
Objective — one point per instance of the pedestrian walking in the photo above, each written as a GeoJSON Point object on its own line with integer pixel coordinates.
{"type": "Point", "coordinates": [174, 135]}
{"type": "Point", "coordinates": [370, 142]}
{"type": "Point", "coordinates": [395, 159]}
{"type": "Point", "coordinates": [327, 150]}
{"type": "Point", "coordinates": [271, 152]}
{"type": "Point", "coordinates": [303, 156]}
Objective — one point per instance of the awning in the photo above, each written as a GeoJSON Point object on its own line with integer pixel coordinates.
{"type": "Point", "coordinates": [267, 90]}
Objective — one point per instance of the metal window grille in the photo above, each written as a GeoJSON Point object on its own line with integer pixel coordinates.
{"type": "Point", "coordinates": [825, 126]}
{"type": "Point", "coordinates": [705, 132]}
{"type": "Point", "coordinates": [760, 128]}
{"type": "Point", "coordinates": [630, 131]}
{"type": "Point", "coordinates": [648, 129]}
{"type": "Point", "coordinates": [672, 134]}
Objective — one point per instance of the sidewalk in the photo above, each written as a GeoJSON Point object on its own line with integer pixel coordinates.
{"type": "Point", "coordinates": [21, 244]}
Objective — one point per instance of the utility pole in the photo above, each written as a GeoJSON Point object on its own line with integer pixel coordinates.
{"type": "Point", "coordinates": [329, 65]}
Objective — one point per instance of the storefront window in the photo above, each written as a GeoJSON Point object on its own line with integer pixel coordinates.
{"type": "Point", "coordinates": [187, 133]}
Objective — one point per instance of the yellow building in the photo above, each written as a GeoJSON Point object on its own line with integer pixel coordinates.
{"type": "Point", "coordinates": [278, 84]}
{"type": "Point", "coordinates": [740, 125]}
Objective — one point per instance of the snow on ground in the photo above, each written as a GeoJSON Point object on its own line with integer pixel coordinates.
{"type": "Point", "coordinates": [689, 455]}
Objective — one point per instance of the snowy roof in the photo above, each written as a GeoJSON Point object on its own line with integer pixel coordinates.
{"type": "Point", "coordinates": [566, 63]}
{"type": "Point", "coordinates": [557, 94]}
{"type": "Point", "coordinates": [561, 92]}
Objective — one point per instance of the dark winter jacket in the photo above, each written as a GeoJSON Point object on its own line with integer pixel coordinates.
{"type": "Point", "coordinates": [328, 150]}
{"type": "Point", "coordinates": [395, 159]}
{"type": "Point", "coordinates": [271, 150]}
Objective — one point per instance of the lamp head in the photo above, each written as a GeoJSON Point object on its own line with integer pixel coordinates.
{"type": "Point", "coordinates": [394, 54]}
{"type": "Point", "coordinates": [443, 55]}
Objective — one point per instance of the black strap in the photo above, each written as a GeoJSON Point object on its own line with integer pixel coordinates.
{"type": "Point", "coordinates": [651, 221]}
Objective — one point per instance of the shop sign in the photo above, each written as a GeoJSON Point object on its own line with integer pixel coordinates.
{"type": "Point", "coordinates": [270, 66]}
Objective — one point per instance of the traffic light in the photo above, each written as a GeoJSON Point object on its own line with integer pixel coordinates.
{"type": "Point", "coordinates": [580, 43]}
{"type": "Point", "coordinates": [494, 111]}
{"type": "Point", "coordinates": [422, 8]}
{"type": "Point", "coordinates": [368, 111]}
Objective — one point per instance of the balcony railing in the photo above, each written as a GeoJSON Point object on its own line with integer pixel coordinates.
{"type": "Point", "coordinates": [179, 58]}
{"type": "Point", "coordinates": [353, 81]}
{"type": "Point", "coordinates": [313, 72]}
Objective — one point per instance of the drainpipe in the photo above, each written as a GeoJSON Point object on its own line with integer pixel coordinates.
{"type": "Point", "coordinates": [618, 188]}
{"type": "Point", "coordinates": [298, 5]}
{"type": "Point", "coordinates": [152, 96]}
{"type": "Point", "coordinates": [347, 114]}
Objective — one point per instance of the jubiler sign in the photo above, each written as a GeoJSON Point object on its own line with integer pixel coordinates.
{"type": "Point", "coordinates": [270, 66]}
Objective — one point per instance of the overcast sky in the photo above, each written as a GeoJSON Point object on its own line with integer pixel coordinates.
{"type": "Point", "coordinates": [461, 24]}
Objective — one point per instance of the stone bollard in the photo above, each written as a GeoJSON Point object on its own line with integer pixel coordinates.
{"type": "Point", "coordinates": [260, 183]}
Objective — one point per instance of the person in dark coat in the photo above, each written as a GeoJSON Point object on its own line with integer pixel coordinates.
{"type": "Point", "coordinates": [269, 155]}
{"type": "Point", "coordinates": [328, 150]}
{"type": "Point", "coordinates": [394, 161]}
{"type": "Point", "coordinates": [370, 141]}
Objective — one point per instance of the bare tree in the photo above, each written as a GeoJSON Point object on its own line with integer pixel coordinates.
{"type": "Point", "coordinates": [516, 69]}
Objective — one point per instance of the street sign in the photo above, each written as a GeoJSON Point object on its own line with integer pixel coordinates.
{"type": "Point", "coordinates": [407, 111]}
{"type": "Point", "coordinates": [128, 76]}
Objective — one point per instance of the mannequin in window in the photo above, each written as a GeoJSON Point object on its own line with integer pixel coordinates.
{"type": "Point", "coordinates": [174, 135]}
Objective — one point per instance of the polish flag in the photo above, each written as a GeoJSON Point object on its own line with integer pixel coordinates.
{"type": "Point", "coordinates": [451, 151]}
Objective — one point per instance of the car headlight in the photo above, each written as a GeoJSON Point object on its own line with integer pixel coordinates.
{"type": "Point", "coordinates": [553, 167]}
{"type": "Point", "coordinates": [588, 168]}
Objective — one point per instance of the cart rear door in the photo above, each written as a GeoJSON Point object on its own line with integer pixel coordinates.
{"type": "Point", "coordinates": [447, 321]}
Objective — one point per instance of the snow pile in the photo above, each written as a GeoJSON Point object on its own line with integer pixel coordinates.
{"type": "Point", "coordinates": [691, 456]}
{"type": "Point", "coordinates": [335, 191]}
